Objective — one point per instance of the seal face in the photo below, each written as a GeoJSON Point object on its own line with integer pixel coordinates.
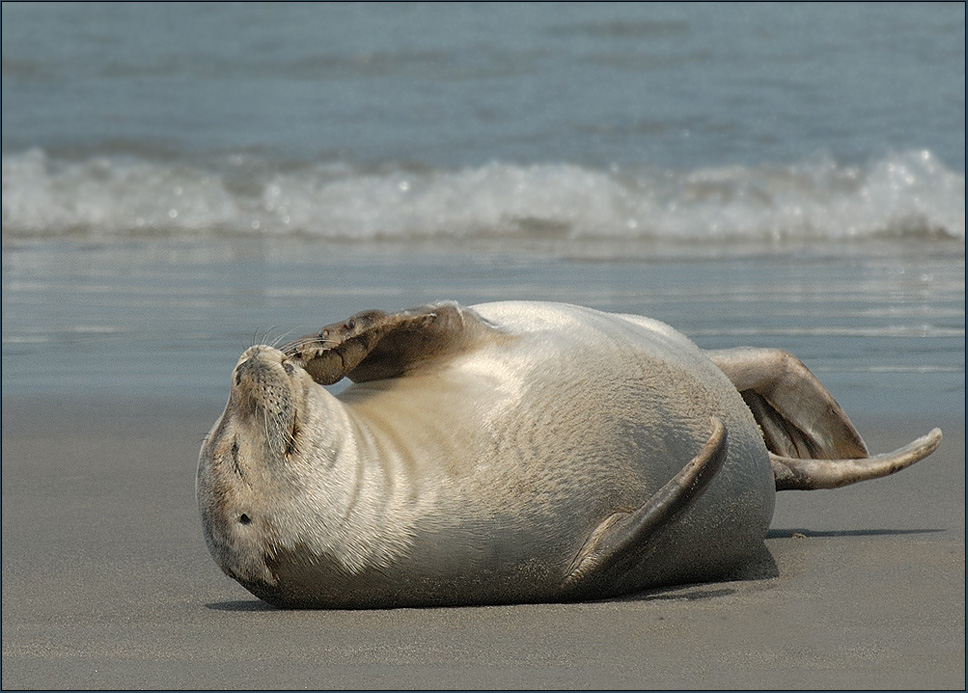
{"type": "Point", "coordinates": [509, 452]}
{"type": "Point", "coordinates": [245, 462]}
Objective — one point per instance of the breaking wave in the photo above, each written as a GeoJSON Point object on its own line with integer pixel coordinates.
{"type": "Point", "coordinates": [909, 195]}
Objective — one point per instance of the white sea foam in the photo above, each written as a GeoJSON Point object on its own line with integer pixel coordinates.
{"type": "Point", "coordinates": [907, 195]}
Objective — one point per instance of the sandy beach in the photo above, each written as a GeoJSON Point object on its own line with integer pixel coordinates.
{"type": "Point", "coordinates": [107, 584]}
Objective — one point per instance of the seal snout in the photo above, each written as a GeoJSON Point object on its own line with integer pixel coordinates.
{"type": "Point", "coordinates": [266, 390]}
{"type": "Point", "coordinates": [262, 367]}
{"type": "Point", "coordinates": [257, 359]}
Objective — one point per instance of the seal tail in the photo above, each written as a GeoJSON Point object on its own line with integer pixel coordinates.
{"type": "Point", "coordinates": [622, 539]}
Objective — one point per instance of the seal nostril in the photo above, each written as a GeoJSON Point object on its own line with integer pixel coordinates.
{"type": "Point", "coordinates": [287, 367]}
{"type": "Point", "coordinates": [245, 519]}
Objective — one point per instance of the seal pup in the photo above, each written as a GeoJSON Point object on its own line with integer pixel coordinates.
{"type": "Point", "coordinates": [510, 452]}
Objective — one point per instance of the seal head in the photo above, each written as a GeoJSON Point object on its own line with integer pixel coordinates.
{"type": "Point", "coordinates": [245, 462]}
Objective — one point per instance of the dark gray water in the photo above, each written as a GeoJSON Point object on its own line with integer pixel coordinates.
{"type": "Point", "coordinates": [180, 180]}
{"type": "Point", "coordinates": [451, 86]}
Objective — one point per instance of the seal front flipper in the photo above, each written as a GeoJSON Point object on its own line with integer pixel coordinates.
{"type": "Point", "coordinates": [622, 539]}
{"type": "Point", "coordinates": [373, 345]}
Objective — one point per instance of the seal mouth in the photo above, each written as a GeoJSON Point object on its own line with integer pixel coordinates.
{"type": "Point", "coordinates": [293, 437]}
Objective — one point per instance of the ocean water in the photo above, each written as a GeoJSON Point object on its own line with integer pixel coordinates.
{"type": "Point", "coordinates": [183, 180]}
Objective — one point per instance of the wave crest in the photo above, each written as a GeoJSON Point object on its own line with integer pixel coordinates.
{"type": "Point", "coordinates": [906, 195]}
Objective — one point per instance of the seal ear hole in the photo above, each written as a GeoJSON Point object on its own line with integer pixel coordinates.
{"type": "Point", "coordinates": [245, 519]}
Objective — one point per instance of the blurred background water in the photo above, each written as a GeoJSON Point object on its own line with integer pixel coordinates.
{"type": "Point", "coordinates": [182, 180]}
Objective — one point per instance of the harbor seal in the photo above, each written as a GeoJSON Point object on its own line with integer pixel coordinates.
{"type": "Point", "coordinates": [510, 452]}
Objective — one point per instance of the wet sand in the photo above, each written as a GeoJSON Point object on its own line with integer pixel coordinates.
{"type": "Point", "coordinates": [107, 584]}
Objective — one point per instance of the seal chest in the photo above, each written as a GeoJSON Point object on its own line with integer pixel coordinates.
{"type": "Point", "coordinates": [503, 453]}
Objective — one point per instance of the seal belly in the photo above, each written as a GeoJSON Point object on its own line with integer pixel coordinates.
{"type": "Point", "coordinates": [624, 417]}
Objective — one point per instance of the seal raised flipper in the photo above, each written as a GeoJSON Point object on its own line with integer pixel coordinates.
{"type": "Point", "coordinates": [372, 344]}
{"type": "Point", "coordinates": [797, 415]}
{"type": "Point", "coordinates": [622, 539]}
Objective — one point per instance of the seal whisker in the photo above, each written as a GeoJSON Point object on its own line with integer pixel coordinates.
{"type": "Point", "coordinates": [303, 342]}
{"type": "Point", "coordinates": [278, 340]}
{"type": "Point", "coordinates": [313, 339]}
{"type": "Point", "coordinates": [265, 335]}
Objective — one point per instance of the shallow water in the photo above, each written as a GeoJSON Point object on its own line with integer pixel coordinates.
{"type": "Point", "coordinates": [884, 332]}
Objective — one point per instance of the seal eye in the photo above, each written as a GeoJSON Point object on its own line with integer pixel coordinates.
{"type": "Point", "coordinates": [287, 367]}
{"type": "Point", "coordinates": [245, 519]}
{"type": "Point", "coordinates": [350, 324]}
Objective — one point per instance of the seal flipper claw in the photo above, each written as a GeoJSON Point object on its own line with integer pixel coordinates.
{"type": "Point", "coordinates": [373, 345]}
{"type": "Point", "coordinates": [622, 539]}
{"type": "Point", "coordinates": [809, 474]}
{"type": "Point", "coordinates": [337, 349]}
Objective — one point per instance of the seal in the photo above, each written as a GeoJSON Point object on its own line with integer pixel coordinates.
{"type": "Point", "coordinates": [510, 452]}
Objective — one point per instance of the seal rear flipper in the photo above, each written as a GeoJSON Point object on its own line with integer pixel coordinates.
{"type": "Point", "coordinates": [811, 441]}
{"type": "Point", "coordinates": [373, 345]}
{"type": "Point", "coordinates": [622, 539]}
{"type": "Point", "coordinates": [808, 474]}
{"type": "Point", "coordinates": [798, 417]}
